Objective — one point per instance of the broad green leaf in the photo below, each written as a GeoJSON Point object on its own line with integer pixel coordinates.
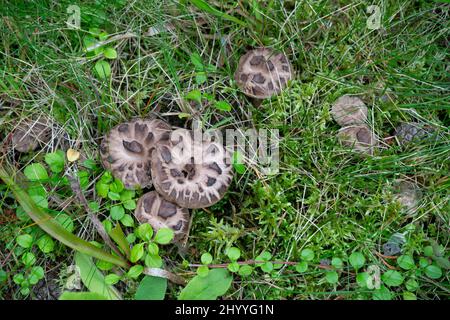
{"type": "Point", "coordinates": [151, 288]}
{"type": "Point", "coordinates": [67, 295]}
{"type": "Point", "coordinates": [337, 263]}
{"type": "Point", "coordinates": [103, 69]}
{"type": "Point", "coordinates": [361, 279]}
{"type": "Point", "coordinates": [392, 278]}
{"type": "Point", "coordinates": [117, 212]}
{"type": "Point", "coordinates": [144, 232]}
{"type": "Point", "coordinates": [203, 271]}
{"type": "Point", "coordinates": [93, 279]}
{"type": "Point", "coordinates": [267, 267]}
{"type": "Point", "coordinates": [102, 189]}
{"type": "Point", "coordinates": [215, 284]}
{"type": "Point", "coordinates": [409, 296]}
{"type": "Point", "coordinates": [194, 95]}
{"type": "Point", "coordinates": [112, 279]}
{"type": "Point", "coordinates": [127, 221]}
{"type": "Point", "coordinates": [153, 261]}
{"type": "Point", "coordinates": [382, 293]}
{"type": "Point", "coordinates": [301, 266]}
{"type": "Point", "coordinates": [245, 270]}
{"type": "Point", "coordinates": [28, 259]}
{"type": "Point", "coordinates": [36, 274]}
{"type": "Point", "coordinates": [35, 172]}
{"type": "Point", "coordinates": [412, 285]}
{"type": "Point", "coordinates": [135, 271]}
{"type": "Point", "coordinates": [233, 267]}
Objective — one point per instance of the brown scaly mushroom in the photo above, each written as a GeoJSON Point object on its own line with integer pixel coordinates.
{"type": "Point", "coordinates": [192, 174]}
{"type": "Point", "coordinates": [408, 194]}
{"type": "Point", "coordinates": [360, 138]}
{"type": "Point", "coordinates": [126, 150]}
{"type": "Point", "coordinates": [160, 213]}
{"type": "Point", "coordinates": [348, 110]}
{"type": "Point", "coordinates": [29, 134]}
{"type": "Point", "coordinates": [262, 73]}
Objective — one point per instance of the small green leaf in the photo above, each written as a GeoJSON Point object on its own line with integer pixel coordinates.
{"type": "Point", "coordinates": [127, 221]}
{"type": "Point", "coordinates": [301, 267]}
{"type": "Point", "coordinates": [127, 195]}
{"type": "Point", "coordinates": [46, 244]}
{"type": "Point", "coordinates": [137, 252]}
{"type": "Point", "coordinates": [102, 189]}
{"type": "Point", "coordinates": [3, 276]}
{"type": "Point", "coordinates": [153, 261]}
{"type": "Point", "coordinates": [409, 296]}
{"type": "Point", "coordinates": [357, 260]}
{"type": "Point", "coordinates": [428, 251]}
{"type": "Point", "coordinates": [332, 277]}
{"type": "Point", "coordinates": [264, 256]}
{"type": "Point", "coordinates": [116, 186]}
{"type": "Point", "coordinates": [28, 259]}
{"type": "Point", "coordinates": [337, 263]}
{"type": "Point", "coordinates": [412, 285]}
{"type": "Point", "coordinates": [153, 248]}
{"type": "Point", "coordinates": [223, 106]}
{"type": "Point", "coordinates": [245, 270]}
{"type": "Point", "coordinates": [361, 279]}
{"type": "Point", "coordinates": [432, 271]}
{"type": "Point", "coordinates": [194, 95]}
{"type": "Point", "coordinates": [114, 196]}
{"type": "Point", "coordinates": [135, 271]}
{"type": "Point", "coordinates": [233, 253]}
{"type": "Point", "coordinates": [164, 236]}
{"type": "Point", "coordinates": [65, 221]}
{"type": "Point", "coordinates": [233, 266]}
{"type": "Point", "coordinates": [112, 279]}
{"type": "Point", "coordinates": [35, 172]}
{"type": "Point", "coordinates": [103, 69]}
{"type": "Point", "coordinates": [117, 212]}
{"type": "Point", "coordinates": [267, 267]}
{"type": "Point", "coordinates": [67, 295]}
{"type": "Point", "coordinates": [406, 262]}
{"type": "Point", "coordinates": [151, 288]}
{"type": "Point", "coordinates": [307, 254]}
{"type": "Point", "coordinates": [144, 232]}
{"type": "Point", "coordinates": [110, 53]}
{"type": "Point", "coordinates": [203, 271]}
{"type": "Point", "coordinates": [55, 161]}
{"type": "Point", "coordinates": [237, 164]}
{"type": "Point", "coordinates": [25, 241]}
{"type": "Point", "coordinates": [129, 204]}
{"type": "Point", "coordinates": [392, 278]}
{"type": "Point", "coordinates": [36, 274]}
{"type": "Point", "coordinates": [206, 258]}
{"type": "Point", "coordinates": [382, 293]}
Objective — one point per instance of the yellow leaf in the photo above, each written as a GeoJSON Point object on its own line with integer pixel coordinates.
{"type": "Point", "coordinates": [72, 155]}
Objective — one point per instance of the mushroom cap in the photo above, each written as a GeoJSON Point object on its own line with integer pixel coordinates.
{"type": "Point", "coordinates": [126, 150]}
{"type": "Point", "coordinates": [408, 194]}
{"type": "Point", "coordinates": [160, 213]}
{"type": "Point", "coordinates": [408, 132]}
{"type": "Point", "coordinates": [348, 110]}
{"type": "Point", "coordinates": [191, 173]}
{"type": "Point", "coordinates": [262, 72]}
{"type": "Point", "coordinates": [361, 138]}
{"type": "Point", "coordinates": [30, 134]}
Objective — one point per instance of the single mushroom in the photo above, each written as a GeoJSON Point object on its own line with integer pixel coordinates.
{"type": "Point", "coordinates": [191, 173]}
{"type": "Point", "coordinates": [160, 213]}
{"type": "Point", "coordinates": [126, 150]}
{"type": "Point", "coordinates": [262, 72]}
{"type": "Point", "coordinates": [348, 110]}
{"type": "Point", "coordinates": [408, 132]}
{"type": "Point", "coordinates": [360, 138]}
{"type": "Point", "coordinates": [28, 135]}
{"type": "Point", "coordinates": [408, 194]}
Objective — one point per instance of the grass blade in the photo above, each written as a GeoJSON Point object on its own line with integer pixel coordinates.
{"type": "Point", "coordinates": [53, 228]}
{"type": "Point", "coordinates": [204, 6]}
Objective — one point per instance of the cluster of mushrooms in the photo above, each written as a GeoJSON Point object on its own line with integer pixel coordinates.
{"type": "Point", "coordinates": [184, 172]}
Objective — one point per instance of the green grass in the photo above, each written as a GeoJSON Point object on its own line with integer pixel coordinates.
{"type": "Point", "coordinates": [325, 197]}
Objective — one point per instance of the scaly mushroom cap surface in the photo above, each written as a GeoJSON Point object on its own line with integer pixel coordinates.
{"type": "Point", "coordinates": [361, 138]}
{"type": "Point", "coordinates": [192, 174]}
{"type": "Point", "coordinates": [262, 73]}
{"type": "Point", "coordinates": [408, 132]}
{"type": "Point", "coordinates": [349, 110]}
{"type": "Point", "coordinates": [408, 194]}
{"type": "Point", "coordinates": [160, 213]}
{"type": "Point", "coordinates": [30, 134]}
{"type": "Point", "coordinates": [127, 148]}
